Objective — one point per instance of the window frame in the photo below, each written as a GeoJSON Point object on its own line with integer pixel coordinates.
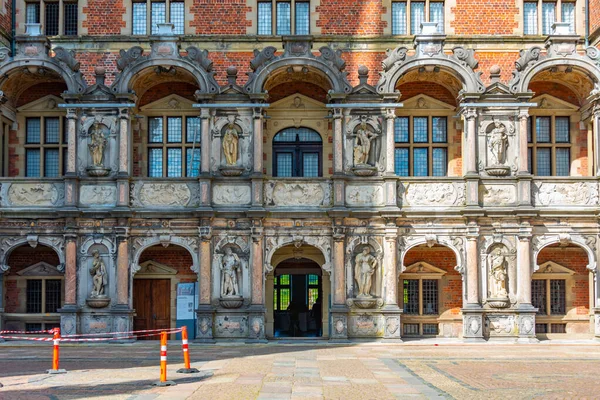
{"type": "Point", "coordinates": [149, 19]}
{"type": "Point", "coordinates": [61, 22]}
{"type": "Point", "coordinates": [548, 295]}
{"type": "Point", "coordinates": [430, 145]}
{"type": "Point", "coordinates": [44, 294]}
{"type": "Point", "coordinates": [42, 146]}
{"type": "Point", "coordinates": [558, 16]}
{"type": "Point", "coordinates": [297, 148]}
{"type": "Point", "coordinates": [164, 145]}
{"type": "Point", "coordinates": [426, 16]}
{"type": "Point", "coordinates": [274, 20]}
{"type": "Point", "coordinates": [421, 318]}
{"type": "Point", "coordinates": [533, 146]}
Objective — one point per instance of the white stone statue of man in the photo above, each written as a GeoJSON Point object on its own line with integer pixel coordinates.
{"type": "Point", "coordinates": [230, 263]}
{"type": "Point", "coordinates": [364, 267]}
{"type": "Point", "coordinates": [98, 271]}
{"type": "Point", "coordinates": [97, 145]}
{"type": "Point", "coordinates": [497, 274]}
{"type": "Point", "coordinates": [498, 143]}
{"type": "Point", "coordinates": [362, 146]}
{"type": "Point", "coordinates": [230, 144]}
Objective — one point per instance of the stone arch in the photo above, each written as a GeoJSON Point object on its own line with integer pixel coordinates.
{"type": "Point", "coordinates": [456, 245]}
{"type": "Point", "coordinates": [165, 55]}
{"type": "Point", "coordinates": [298, 56]}
{"type": "Point", "coordinates": [460, 64]}
{"type": "Point", "coordinates": [141, 244]}
{"type": "Point", "coordinates": [322, 243]}
{"type": "Point", "coordinates": [532, 62]}
{"type": "Point", "coordinates": [57, 244]}
{"type": "Point", "coordinates": [588, 244]}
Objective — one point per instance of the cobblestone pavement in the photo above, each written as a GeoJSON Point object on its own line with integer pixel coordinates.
{"type": "Point", "coordinates": [306, 371]}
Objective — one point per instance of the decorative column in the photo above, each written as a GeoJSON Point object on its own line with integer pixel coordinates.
{"type": "Point", "coordinates": [338, 142]}
{"type": "Point", "coordinates": [526, 312]}
{"type": "Point", "coordinates": [124, 160]}
{"type": "Point", "coordinates": [390, 144]}
{"type": "Point", "coordinates": [3, 269]}
{"type": "Point", "coordinates": [390, 282]}
{"type": "Point", "coordinates": [257, 309]}
{"type": "Point", "coordinates": [596, 128]}
{"type": "Point", "coordinates": [523, 176]}
{"type": "Point", "coordinates": [257, 175]}
{"type": "Point", "coordinates": [339, 310]}
{"type": "Point", "coordinates": [123, 268]}
{"type": "Point", "coordinates": [470, 115]}
{"type": "Point", "coordinates": [205, 141]}
{"type": "Point", "coordinates": [70, 181]}
{"type": "Point", "coordinates": [68, 313]}
{"type": "Point", "coordinates": [204, 313]}
{"type": "Point", "coordinates": [472, 311]}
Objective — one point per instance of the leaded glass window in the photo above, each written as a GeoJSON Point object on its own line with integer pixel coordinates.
{"type": "Point", "coordinates": [313, 289]}
{"type": "Point", "coordinates": [297, 152]}
{"type": "Point", "coordinates": [284, 18]}
{"type": "Point", "coordinates": [51, 10]}
{"type": "Point", "coordinates": [548, 16]}
{"type": "Point", "coordinates": [174, 146]}
{"type": "Point", "coordinates": [139, 19]}
{"type": "Point", "coordinates": [177, 14]}
{"type": "Point", "coordinates": [302, 18]}
{"type": "Point", "coordinates": [568, 14]}
{"type": "Point", "coordinates": [34, 296]}
{"type": "Point", "coordinates": [158, 15]}
{"type": "Point", "coordinates": [430, 297]}
{"type": "Point", "coordinates": [32, 13]}
{"type": "Point", "coordinates": [45, 147]}
{"type": "Point", "coordinates": [264, 18]}
{"type": "Point", "coordinates": [415, 154]}
{"type": "Point", "coordinates": [549, 149]}
{"type": "Point", "coordinates": [417, 16]}
{"type": "Point", "coordinates": [53, 292]}
{"type": "Point", "coordinates": [538, 295]}
{"type": "Point", "coordinates": [530, 18]}
{"type": "Point", "coordinates": [436, 14]}
{"type": "Point", "coordinates": [558, 304]}
{"type": "Point", "coordinates": [411, 296]}
{"type": "Point", "coordinates": [51, 16]}
{"type": "Point", "coordinates": [549, 296]}
{"type": "Point", "coordinates": [70, 19]}
{"type": "Point", "coordinates": [282, 292]}
{"type": "Point", "coordinates": [399, 18]}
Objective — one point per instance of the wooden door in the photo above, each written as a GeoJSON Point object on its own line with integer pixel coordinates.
{"type": "Point", "coordinates": [151, 302]}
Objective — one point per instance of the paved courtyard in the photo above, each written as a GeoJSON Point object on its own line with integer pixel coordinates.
{"type": "Point", "coordinates": [306, 371]}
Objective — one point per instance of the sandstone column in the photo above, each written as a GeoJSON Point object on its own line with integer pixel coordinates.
{"type": "Point", "coordinates": [472, 311]}
{"type": "Point", "coordinates": [390, 117]}
{"type": "Point", "coordinates": [257, 141]}
{"type": "Point", "coordinates": [470, 115]}
{"type": "Point", "coordinates": [70, 270]}
{"type": "Point", "coordinates": [338, 143]}
{"type": "Point", "coordinates": [339, 276]}
{"type": "Point", "coordinates": [123, 268]}
{"type": "Point", "coordinates": [124, 159]}
{"type": "Point", "coordinates": [390, 296]}
{"type": "Point", "coordinates": [523, 154]}
{"type": "Point", "coordinates": [524, 271]}
{"type": "Point", "coordinates": [71, 140]}
{"type": "Point", "coordinates": [257, 264]}
{"type": "Point", "coordinates": [204, 276]}
{"type": "Point", "coordinates": [205, 144]}
{"type": "Point", "coordinates": [472, 273]}
{"type": "Point", "coordinates": [596, 127]}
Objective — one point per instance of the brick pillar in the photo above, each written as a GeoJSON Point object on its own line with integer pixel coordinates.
{"type": "Point", "coordinates": [257, 264]}
{"type": "Point", "coordinates": [123, 268]}
{"type": "Point", "coordinates": [204, 277]}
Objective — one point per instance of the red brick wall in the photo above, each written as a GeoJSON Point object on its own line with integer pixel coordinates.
{"type": "Point", "coordinates": [452, 296]}
{"type": "Point", "coordinates": [595, 17]}
{"type": "Point", "coordinates": [13, 157]}
{"type": "Point", "coordinates": [40, 90]}
{"type": "Point", "coordinates": [89, 61]}
{"type": "Point", "coordinates": [223, 17]}
{"type": "Point", "coordinates": [351, 17]}
{"type": "Point", "coordinates": [438, 256]}
{"type": "Point", "coordinates": [5, 25]}
{"type": "Point", "coordinates": [554, 89]}
{"type": "Point", "coordinates": [104, 17]}
{"type": "Point", "coordinates": [173, 256]}
{"type": "Point", "coordinates": [369, 60]}
{"type": "Point", "coordinates": [494, 17]}
{"type": "Point", "coordinates": [505, 60]}
{"type": "Point", "coordinates": [240, 60]}
{"type": "Point", "coordinates": [11, 297]}
{"type": "Point", "coordinates": [161, 90]}
{"type": "Point", "coordinates": [574, 258]}
{"type": "Point", "coordinates": [25, 256]}
{"type": "Point", "coordinates": [431, 89]}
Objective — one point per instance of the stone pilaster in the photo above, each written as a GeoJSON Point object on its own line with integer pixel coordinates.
{"type": "Point", "coordinates": [70, 270]}
{"type": "Point", "coordinates": [205, 312]}
{"type": "Point", "coordinates": [205, 144]}
{"type": "Point", "coordinates": [390, 310]}
{"type": "Point", "coordinates": [525, 311]}
{"type": "Point", "coordinates": [470, 115]}
{"type": "Point", "coordinates": [257, 141]}
{"type": "Point", "coordinates": [596, 128]}
{"type": "Point", "coordinates": [523, 176]}
{"type": "Point", "coordinates": [124, 161]}
{"type": "Point", "coordinates": [472, 311]}
{"type": "Point", "coordinates": [257, 264]}
{"type": "Point", "coordinates": [339, 310]}
{"type": "Point", "coordinates": [3, 269]}
{"type": "Point", "coordinates": [338, 142]}
{"type": "Point", "coordinates": [71, 187]}
{"type": "Point", "coordinates": [123, 271]}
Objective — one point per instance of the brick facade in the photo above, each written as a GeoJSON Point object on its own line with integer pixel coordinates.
{"type": "Point", "coordinates": [351, 17]}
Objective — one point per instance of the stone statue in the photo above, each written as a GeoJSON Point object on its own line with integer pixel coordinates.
{"type": "Point", "coordinates": [498, 274]}
{"type": "Point", "coordinates": [97, 145]}
{"type": "Point", "coordinates": [98, 271]}
{"type": "Point", "coordinates": [365, 264]}
{"type": "Point", "coordinates": [230, 144]}
{"type": "Point", "coordinates": [498, 143]}
{"type": "Point", "coordinates": [362, 146]}
{"type": "Point", "coordinates": [230, 264]}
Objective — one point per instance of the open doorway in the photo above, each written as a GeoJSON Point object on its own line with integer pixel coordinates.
{"type": "Point", "coordinates": [298, 299]}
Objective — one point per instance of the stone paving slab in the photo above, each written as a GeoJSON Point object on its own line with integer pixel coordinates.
{"type": "Point", "coordinates": [276, 371]}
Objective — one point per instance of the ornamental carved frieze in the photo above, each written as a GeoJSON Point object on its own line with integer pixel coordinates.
{"type": "Point", "coordinates": [443, 194]}
{"type": "Point", "coordinates": [297, 194]}
{"type": "Point", "coordinates": [164, 194]}
{"type": "Point", "coordinates": [33, 194]}
{"type": "Point", "coordinates": [565, 194]}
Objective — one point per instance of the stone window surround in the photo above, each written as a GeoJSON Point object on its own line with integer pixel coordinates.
{"type": "Point", "coordinates": [292, 15]}
{"type": "Point", "coordinates": [22, 314]}
{"type": "Point", "coordinates": [579, 22]}
{"type": "Point", "coordinates": [574, 118]}
{"type": "Point", "coordinates": [557, 13]}
{"type": "Point", "coordinates": [21, 17]}
{"type": "Point", "coordinates": [149, 14]}
{"type": "Point", "coordinates": [408, 14]}
{"type": "Point", "coordinates": [22, 135]}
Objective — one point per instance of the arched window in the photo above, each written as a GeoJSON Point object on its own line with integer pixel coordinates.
{"type": "Point", "coordinates": [297, 152]}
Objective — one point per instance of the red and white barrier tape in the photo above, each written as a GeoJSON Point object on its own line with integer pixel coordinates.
{"type": "Point", "coordinates": [117, 333]}
{"type": "Point", "coordinates": [48, 332]}
{"type": "Point", "coordinates": [67, 340]}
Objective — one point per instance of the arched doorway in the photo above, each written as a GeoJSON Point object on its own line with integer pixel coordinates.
{"type": "Point", "coordinates": [297, 294]}
{"type": "Point", "coordinates": [297, 152]}
{"type": "Point", "coordinates": [154, 292]}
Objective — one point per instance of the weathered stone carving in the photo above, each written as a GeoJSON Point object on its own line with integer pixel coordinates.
{"type": "Point", "coordinates": [230, 144]}
{"type": "Point", "coordinates": [230, 266]}
{"type": "Point", "coordinates": [231, 194]}
{"type": "Point", "coordinates": [498, 142]}
{"type": "Point", "coordinates": [364, 268]}
{"type": "Point", "coordinates": [565, 194]}
{"type": "Point", "coordinates": [96, 147]}
{"type": "Point", "coordinates": [67, 57]}
{"type": "Point", "coordinates": [35, 194]}
{"type": "Point", "coordinates": [465, 57]}
{"type": "Point", "coordinates": [362, 147]}
{"type": "Point", "coordinates": [164, 194]}
{"type": "Point", "coordinates": [97, 297]}
{"type": "Point", "coordinates": [434, 194]}
{"type": "Point", "coordinates": [501, 325]}
{"type": "Point", "coordinates": [199, 57]}
{"type": "Point", "coordinates": [99, 195]}
{"type": "Point", "coordinates": [498, 195]}
{"type": "Point", "coordinates": [364, 195]}
{"type": "Point", "coordinates": [284, 194]}
{"type": "Point", "coordinates": [273, 243]}
{"type": "Point", "coordinates": [127, 57]}
{"type": "Point", "coordinates": [498, 273]}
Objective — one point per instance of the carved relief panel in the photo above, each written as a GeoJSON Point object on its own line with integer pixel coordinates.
{"type": "Point", "coordinates": [364, 145]}
{"type": "Point", "coordinates": [498, 144]}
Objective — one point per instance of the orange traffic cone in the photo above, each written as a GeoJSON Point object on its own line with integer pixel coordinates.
{"type": "Point", "coordinates": [55, 354]}
{"type": "Point", "coordinates": [186, 354]}
{"type": "Point", "coordinates": [163, 362]}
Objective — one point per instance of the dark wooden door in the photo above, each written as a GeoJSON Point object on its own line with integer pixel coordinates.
{"type": "Point", "coordinates": [151, 302]}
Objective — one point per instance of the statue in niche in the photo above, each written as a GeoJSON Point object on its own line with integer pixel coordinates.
{"type": "Point", "coordinates": [498, 143]}
{"type": "Point", "coordinates": [230, 264]}
{"type": "Point", "coordinates": [97, 145]}
{"type": "Point", "coordinates": [98, 271]}
{"type": "Point", "coordinates": [498, 274]}
{"type": "Point", "coordinates": [364, 268]}
{"type": "Point", "coordinates": [362, 147]}
{"type": "Point", "coordinates": [230, 144]}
